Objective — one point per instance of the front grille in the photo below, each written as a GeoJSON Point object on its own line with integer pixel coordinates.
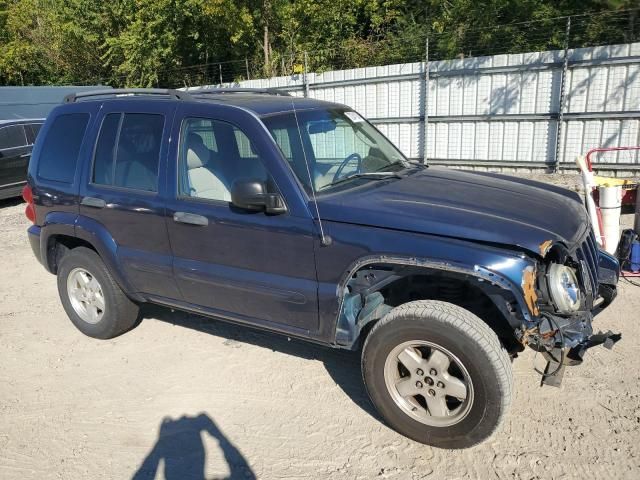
{"type": "Point", "coordinates": [587, 252]}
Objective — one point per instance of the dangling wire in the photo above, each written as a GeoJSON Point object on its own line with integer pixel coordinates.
{"type": "Point", "coordinates": [562, 354]}
{"type": "Point", "coordinates": [323, 240]}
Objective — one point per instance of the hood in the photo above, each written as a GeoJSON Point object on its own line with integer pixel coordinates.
{"type": "Point", "coordinates": [466, 205]}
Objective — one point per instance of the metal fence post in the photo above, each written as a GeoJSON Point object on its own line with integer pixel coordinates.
{"type": "Point", "coordinates": [563, 79]}
{"type": "Point", "coordinates": [246, 65]}
{"type": "Point", "coordinates": [425, 101]}
{"type": "Point", "coordinates": [305, 77]}
{"type": "Point", "coordinates": [220, 67]}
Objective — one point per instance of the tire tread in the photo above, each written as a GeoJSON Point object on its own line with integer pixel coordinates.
{"type": "Point", "coordinates": [467, 324]}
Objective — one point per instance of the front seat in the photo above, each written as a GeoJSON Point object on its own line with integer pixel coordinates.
{"type": "Point", "coordinates": [203, 183]}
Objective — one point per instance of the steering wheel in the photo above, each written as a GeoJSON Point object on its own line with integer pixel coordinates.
{"type": "Point", "coordinates": [345, 162]}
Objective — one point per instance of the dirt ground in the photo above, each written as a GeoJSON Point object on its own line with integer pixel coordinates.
{"type": "Point", "coordinates": [181, 395]}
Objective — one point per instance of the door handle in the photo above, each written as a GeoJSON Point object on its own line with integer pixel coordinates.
{"type": "Point", "coordinates": [93, 202]}
{"type": "Point", "coordinates": [190, 218]}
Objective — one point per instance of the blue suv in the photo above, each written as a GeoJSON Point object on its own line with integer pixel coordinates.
{"type": "Point", "coordinates": [297, 216]}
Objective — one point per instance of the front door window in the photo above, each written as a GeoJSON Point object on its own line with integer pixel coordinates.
{"type": "Point", "coordinates": [213, 155]}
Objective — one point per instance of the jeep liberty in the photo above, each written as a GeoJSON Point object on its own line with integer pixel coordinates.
{"type": "Point", "coordinates": [298, 216]}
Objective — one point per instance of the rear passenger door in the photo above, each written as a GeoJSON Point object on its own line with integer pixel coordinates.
{"type": "Point", "coordinates": [122, 190]}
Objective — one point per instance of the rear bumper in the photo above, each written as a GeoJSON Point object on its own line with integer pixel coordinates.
{"type": "Point", "coordinates": [33, 233]}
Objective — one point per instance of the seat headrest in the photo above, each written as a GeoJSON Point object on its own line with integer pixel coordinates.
{"type": "Point", "coordinates": [197, 152]}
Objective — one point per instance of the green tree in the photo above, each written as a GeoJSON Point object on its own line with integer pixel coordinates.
{"type": "Point", "coordinates": [178, 42]}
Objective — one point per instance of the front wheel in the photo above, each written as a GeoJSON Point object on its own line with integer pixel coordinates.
{"type": "Point", "coordinates": [437, 374]}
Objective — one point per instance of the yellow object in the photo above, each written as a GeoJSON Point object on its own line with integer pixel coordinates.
{"type": "Point", "coordinates": [612, 182]}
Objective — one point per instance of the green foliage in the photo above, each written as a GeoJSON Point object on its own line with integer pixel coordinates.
{"type": "Point", "coordinates": [178, 42]}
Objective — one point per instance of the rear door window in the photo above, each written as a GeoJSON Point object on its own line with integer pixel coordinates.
{"type": "Point", "coordinates": [128, 151]}
{"type": "Point", "coordinates": [12, 136]}
{"type": "Point", "coordinates": [61, 147]}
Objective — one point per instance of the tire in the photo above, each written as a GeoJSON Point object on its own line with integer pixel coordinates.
{"type": "Point", "coordinates": [412, 333]}
{"type": "Point", "coordinates": [118, 313]}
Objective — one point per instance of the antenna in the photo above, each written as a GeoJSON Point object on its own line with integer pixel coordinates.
{"type": "Point", "coordinates": [324, 240]}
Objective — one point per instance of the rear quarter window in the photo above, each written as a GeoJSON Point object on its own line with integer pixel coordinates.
{"type": "Point", "coordinates": [61, 147]}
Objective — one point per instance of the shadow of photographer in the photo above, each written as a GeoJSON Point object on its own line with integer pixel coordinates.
{"type": "Point", "coordinates": [180, 449]}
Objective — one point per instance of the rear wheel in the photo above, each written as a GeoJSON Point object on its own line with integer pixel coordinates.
{"type": "Point", "coordinates": [437, 374]}
{"type": "Point", "coordinates": [94, 302]}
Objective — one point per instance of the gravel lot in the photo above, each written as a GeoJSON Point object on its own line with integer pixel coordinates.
{"type": "Point", "coordinates": [181, 395]}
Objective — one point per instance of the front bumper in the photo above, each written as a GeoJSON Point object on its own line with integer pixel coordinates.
{"type": "Point", "coordinates": [577, 329]}
{"type": "Point", "coordinates": [561, 338]}
{"type": "Point", "coordinates": [564, 341]}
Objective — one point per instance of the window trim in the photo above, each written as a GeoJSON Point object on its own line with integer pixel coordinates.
{"type": "Point", "coordinates": [120, 188]}
{"type": "Point", "coordinates": [301, 188]}
{"type": "Point", "coordinates": [189, 198]}
{"type": "Point", "coordinates": [212, 201]}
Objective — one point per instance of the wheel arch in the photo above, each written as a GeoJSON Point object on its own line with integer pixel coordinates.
{"type": "Point", "coordinates": [505, 308]}
{"type": "Point", "coordinates": [58, 238]}
{"type": "Point", "coordinates": [58, 245]}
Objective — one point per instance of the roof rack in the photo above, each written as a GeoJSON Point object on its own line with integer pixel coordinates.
{"type": "Point", "coordinates": [168, 92]}
{"type": "Point", "coordinates": [175, 94]}
{"type": "Point", "coordinates": [222, 91]}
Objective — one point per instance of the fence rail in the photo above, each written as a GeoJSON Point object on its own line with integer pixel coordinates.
{"type": "Point", "coordinates": [537, 109]}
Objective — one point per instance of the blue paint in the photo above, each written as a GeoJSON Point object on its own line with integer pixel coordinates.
{"type": "Point", "coordinates": [271, 270]}
{"type": "Point", "coordinates": [635, 256]}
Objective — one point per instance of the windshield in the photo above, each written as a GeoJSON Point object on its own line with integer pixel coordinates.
{"type": "Point", "coordinates": [340, 147]}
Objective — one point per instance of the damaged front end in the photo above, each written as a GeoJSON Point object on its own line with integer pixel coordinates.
{"type": "Point", "coordinates": [564, 294]}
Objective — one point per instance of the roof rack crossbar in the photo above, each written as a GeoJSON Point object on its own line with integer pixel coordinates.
{"type": "Point", "coordinates": [221, 91]}
{"type": "Point", "coordinates": [175, 94]}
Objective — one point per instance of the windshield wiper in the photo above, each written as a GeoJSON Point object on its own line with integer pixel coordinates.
{"type": "Point", "coordinates": [393, 164]}
{"type": "Point", "coordinates": [404, 163]}
{"type": "Point", "coordinates": [415, 163]}
{"type": "Point", "coordinates": [372, 175]}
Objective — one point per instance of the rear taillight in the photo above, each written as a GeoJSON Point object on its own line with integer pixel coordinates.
{"type": "Point", "coordinates": [29, 210]}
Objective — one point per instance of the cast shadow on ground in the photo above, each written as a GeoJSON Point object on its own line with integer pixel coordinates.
{"type": "Point", "coordinates": [10, 202]}
{"type": "Point", "coordinates": [343, 366]}
{"type": "Point", "coordinates": [180, 450]}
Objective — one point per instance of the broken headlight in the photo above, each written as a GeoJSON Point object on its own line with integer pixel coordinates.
{"type": "Point", "coordinates": [564, 288]}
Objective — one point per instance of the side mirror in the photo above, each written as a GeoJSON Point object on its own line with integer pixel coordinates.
{"type": "Point", "coordinates": [252, 195]}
